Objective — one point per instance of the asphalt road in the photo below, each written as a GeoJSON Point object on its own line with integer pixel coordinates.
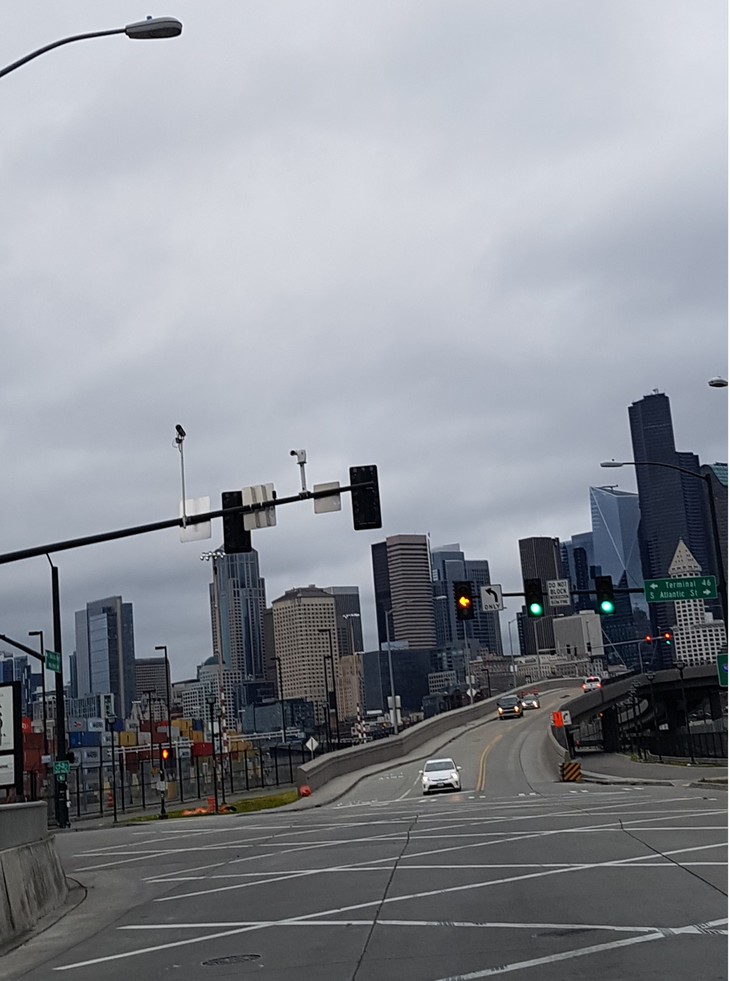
{"type": "Point", "coordinates": [516, 874]}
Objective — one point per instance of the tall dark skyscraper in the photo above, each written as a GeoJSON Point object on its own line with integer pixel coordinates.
{"type": "Point", "coordinates": [673, 505]}
{"type": "Point", "coordinates": [237, 603]}
{"type": "Point", "coordinates": [540, 558]}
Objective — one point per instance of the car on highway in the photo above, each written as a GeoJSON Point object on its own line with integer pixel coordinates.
{"type": "Point", "coordinates": [592, 683]}
{"type": "Point", "coordinates": [509, 707]}
{"type": "Point", "coordinates": [440, 774]}
{"type": "Point", "coordinates": [530, 700]}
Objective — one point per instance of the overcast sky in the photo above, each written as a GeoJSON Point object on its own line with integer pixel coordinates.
{"type": "Point", "coordinates": [454, 239]}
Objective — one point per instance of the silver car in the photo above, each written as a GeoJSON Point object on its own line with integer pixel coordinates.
{"type": "Point", "coordinates": [441, 774]}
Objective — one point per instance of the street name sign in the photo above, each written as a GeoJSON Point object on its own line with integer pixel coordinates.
{"type": "Point", "coordinates": [491, 598]}
{"type": "Point", "coordinates": [680, 588]}
{"type": "Point", "coordinates": [61, 766]}
{"type": "Point", "coordinates": [558, 591]}
{"type": "Point", "coordinates": [53, 661]}
{"type": "Point", "coordinates": [722, 670]}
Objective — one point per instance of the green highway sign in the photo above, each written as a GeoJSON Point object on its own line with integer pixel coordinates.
{"type": "Point", "coordinates": [680, 588]}
{"type": "Point", "coordinates": [722, 670]}
{"type": "Point", "coordinates": [61, 766]}
{"type": "Point", "coordinates": [53, 661]}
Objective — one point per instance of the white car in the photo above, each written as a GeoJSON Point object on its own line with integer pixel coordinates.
{"type": "Point", "coordinates": [441, 774]}
{"type": "Point", "coordinates": [592, 683]}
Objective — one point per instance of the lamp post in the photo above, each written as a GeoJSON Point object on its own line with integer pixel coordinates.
{"type": "Point", "coordinates": [680, 666]}
{"type": "Point", "coordinates": [511, 649]}
{"type": "Point", "coordinates": [163, 647]}
{"type": "Point", "coordinates": [650, 678]}
{"type": "Point", "coordinates": [211, 700]}
{"type": "Point", "coordinates": [150, 29]}
{"type": "Point", "coordinates": [39, 633]}
{"type": "Point", "coordinates": [717, 538]}
{"type": "Point", "coordinates": [281, 698]}
{"type": "Point", "coordinates": [110, 723]}
{"type": "Point", "coordinates": [331, 658]}
{"type": "Point", "coordinates": [394, 715]}
{"type": "Point", "coordinates": [61, 751]}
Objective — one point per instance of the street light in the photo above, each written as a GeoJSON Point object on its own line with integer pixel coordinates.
{"type": "Point", "coordinates": [331, 658]}
{"type": "Point", "coordinates": [717, 538]}
{"type": "Point", "coordinates": [150, 29]}
{"type": "Point", "coordinates": [717, 382]}
{"type": "Point", "coordinates": [281, 698]}
{"type": "Point", "coordinates": [680, 666]}
{"type": "Point", "coordinates": [39, 633]}
{"type": "Point", "coordinates": [394, 716]}
{"type": "Point", "coordinates": [163, 647]}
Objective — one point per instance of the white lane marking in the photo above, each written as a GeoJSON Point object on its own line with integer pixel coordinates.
{"type": "Point", "coordinates": [456, 924]}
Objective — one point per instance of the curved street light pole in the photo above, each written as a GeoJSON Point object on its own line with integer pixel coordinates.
{"type": "Point", "coordinates": [717, 538]}
{"type": "Point", "coordinates": [150, 29]}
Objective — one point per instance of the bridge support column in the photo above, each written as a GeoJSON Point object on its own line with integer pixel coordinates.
{"type": "Point", "coordinates": [610, 730]}
{"type": "Point", "coordinates": [715, 705]}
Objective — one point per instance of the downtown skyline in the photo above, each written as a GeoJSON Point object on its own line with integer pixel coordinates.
{"type": "Point", "coordinates": [461, 262]}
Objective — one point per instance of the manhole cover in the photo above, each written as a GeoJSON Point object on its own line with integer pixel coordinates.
{"type": "Point", "coordinates": [232, 959]}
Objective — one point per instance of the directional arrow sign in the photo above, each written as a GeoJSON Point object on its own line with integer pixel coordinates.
{"type": "Point", "coordinates": [492, 598]}
{"type": "Point", "coordinates": [680, 588]}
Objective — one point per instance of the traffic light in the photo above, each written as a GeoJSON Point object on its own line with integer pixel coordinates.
{"type": "Point", "coordinates": [534, 599]}
{"type": "Point", "coordinates": [365, 498]}
{"type": "Point", "coordinates": [165, 754]}
{"type": "Point", "coordinates": [464, 601]}
{"type": "Point", "coordinates": [604, 595]}
{"type": "Point", "coordinates": [235, 537]}
{"type": "Point", "coordinates": [667, 637]}
{"type": "Point", "coordinates": [648, 639]}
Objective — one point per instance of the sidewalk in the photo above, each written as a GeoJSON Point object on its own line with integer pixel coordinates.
{"type": "Point", "coordinates": [616, 768]}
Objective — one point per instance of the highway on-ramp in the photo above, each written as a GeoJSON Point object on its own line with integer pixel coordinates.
{"type": "Point", "coordinates": [515, 875]}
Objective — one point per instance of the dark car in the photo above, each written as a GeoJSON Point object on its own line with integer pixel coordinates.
{"type": "Point", "coordinates": [509, 707]}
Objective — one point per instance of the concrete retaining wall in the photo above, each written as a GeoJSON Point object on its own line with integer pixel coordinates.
{"type": "Point", "coordinates": [32, 883]}
{"type": "Point", "coordinates": [325, 768]}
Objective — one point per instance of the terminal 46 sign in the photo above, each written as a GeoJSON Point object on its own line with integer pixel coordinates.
{"type": "Point", "coordinates": [680, 588]}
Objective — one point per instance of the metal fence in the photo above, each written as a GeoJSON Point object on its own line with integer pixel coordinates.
{"type": "Point", "coordinates": [134, 784]}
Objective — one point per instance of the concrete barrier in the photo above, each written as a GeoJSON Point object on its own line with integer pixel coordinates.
{"type": "Point", "coordinates": [320, 771]}
{"type": "Point", "coordinates": [32, 883]}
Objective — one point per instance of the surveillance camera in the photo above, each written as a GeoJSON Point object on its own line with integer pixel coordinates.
{"type": "Point", "coordinates": [301, 455]}
{"type": "Point", "coordinates": [180, 431]}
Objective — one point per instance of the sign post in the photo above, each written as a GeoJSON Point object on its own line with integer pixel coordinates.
{"type": "Point", "coordinates": [722, 670]}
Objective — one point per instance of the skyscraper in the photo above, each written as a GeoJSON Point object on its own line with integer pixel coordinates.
{"type": "Point", "coordinates": [105, 652]}
{"type": "Point", "coordinates": [302, 619]}
{"type": "Point", "coordinates": [347, 611]}
{"type": "Point", "coordinates": [403, 589]}
{"type": "Point", "coordinates": [673, 505]}
{"type": "Point", "coordinates": [697, 638]}
{"type": "Point", "coordinates": [579, 565]}
{"type": "Point", "coordinates": [615, 517]}
{"type": "Point", "coordinates": [237, 603]}
{"type": "Point", "coordinates": [449, 566]}
{"type": "Point", "coordinates": [540, 559]}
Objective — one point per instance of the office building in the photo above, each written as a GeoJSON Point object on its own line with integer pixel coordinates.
{"type": "Point", "coordinates": [404, 604]}
{"type": "Point", "coordinates": [449, 565]}
{"type": "Point", "coordinates": [579, 565]}
{"type": "Point", "coordinates": [237, 604]}
{"type": "Point", "coordinates": [151, 676]}
{"type": "Point", "coordinates": [540, 558]}
{"type": "Point", "coordinates": [305, 621]}
{"type": "Point", "coordinates": [697, 637]}
{"type": "Point", "coordinates": [105, 651]}
{"type": "Point", "coordinates": [673, 505]}
{"type": "Point", "coordinates": [347, 612]}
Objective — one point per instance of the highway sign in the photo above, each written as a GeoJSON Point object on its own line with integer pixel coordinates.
{"type": "Point", "coordinates": [558, 591]}
{"type": "Point", "coordinates": [311, 744]}
{"type": "Point", "coordinates": [53, 661]}
{"type": "Point", "coordinates": [492, 598]}
{"type": "Point", "coordinates": [567, 721]}
{"type": "Point", "coordinates": [61, 766]}
{"type": "Point", "coordinates": [722, 670]}
{"type": "Point", "coordinates": [680, 588]}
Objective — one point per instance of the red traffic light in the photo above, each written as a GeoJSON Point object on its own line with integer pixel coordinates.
{"type": "Point", "coordinates": [648, 639]}
{"type": "Point", "coordinates": [667, 635]}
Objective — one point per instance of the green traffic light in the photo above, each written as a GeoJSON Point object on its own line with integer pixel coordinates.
{"type": "Point", "coordinates": [607, 607]}
{"type": "Point", "coordinates": [535, 610]}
